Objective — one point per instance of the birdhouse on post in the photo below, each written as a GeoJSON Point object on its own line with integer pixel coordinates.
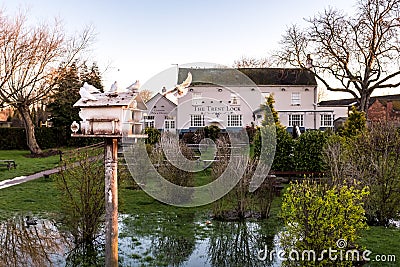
{"type": "Point", "coordinates": [110, 115]}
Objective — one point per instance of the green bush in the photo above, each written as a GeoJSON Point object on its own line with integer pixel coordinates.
{"type": "Point", "coordinates": [154, 135]}
{"type": "Point", "coordinates": [316, 216]}
{"type": "Point", "coordinates": [212, 132]}
{"type": "Point", "coordinates": [12, 138]}
{"type": "Point", "coordinates": [354, 125]}
{"type": "Point", "coordinates": [308, 151]}
{"type": "Point", "coordinates": [51, 137]}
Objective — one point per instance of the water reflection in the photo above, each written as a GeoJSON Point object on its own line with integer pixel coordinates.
{"type": "Point", "coordinates": [237, 244]}
{"type": "Point", "coordinates": [40, 244]}
{"type": "Point", "coordinates": [160, 239]}
{"type": "Point", "coordinates": [86, 254]}
{"type": "Point", "coordinates": [157, 239]}
{"type": "Point", "coordinates": [148, 239]}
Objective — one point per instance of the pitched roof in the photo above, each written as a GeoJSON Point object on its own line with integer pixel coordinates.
{"type": "Point", "coordinates": [352, 101]}
{"type": "Point", "coordinates": [104, 100]}
{"type": "Point", "coordinates": [159, 97]}
{"type": "Point", "coordinates": [247, 76]}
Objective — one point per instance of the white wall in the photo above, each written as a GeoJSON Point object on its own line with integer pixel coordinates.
{"type": "Point", "coordinates": [159, 107]}
{"type": "Point", "coordinates": [215, 105]}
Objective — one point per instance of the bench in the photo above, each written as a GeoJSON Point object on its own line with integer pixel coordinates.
{"type": "Point", "coordinates": [8, 163]}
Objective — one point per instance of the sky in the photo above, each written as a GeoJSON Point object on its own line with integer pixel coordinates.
{"type": "Point", "coordinates": [137, 39]}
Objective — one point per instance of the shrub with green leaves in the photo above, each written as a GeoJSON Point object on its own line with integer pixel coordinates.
{"type": "Point", "coordinates": [153, 134]}
{"type": "Point", "coordinates": [316, 216]}
{"type": "Point", "coordinates": [308, 151]}
{"type": "Point", "coordinates": [355, 123]}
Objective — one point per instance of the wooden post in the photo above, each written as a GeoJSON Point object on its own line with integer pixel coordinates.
{"type": "Point", "coordinates": [111, 196]}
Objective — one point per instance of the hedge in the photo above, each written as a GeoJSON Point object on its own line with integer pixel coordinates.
{"type": "Point", "coordinates": [52, 137]}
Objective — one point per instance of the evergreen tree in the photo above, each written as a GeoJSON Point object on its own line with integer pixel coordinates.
{"type": "Point", "coordinates": [355, 123]}
{"type": "Point", "coordinates": [67, 93]}
{"type": "Point", "coordinates": [270, 101]}
{"type": "Point", "coordinates": [283, 159]}
{"type": "Point", "coordinates": [92, 76]}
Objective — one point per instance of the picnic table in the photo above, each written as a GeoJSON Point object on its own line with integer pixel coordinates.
{"type": "Point", "coordinates": [8, 163]}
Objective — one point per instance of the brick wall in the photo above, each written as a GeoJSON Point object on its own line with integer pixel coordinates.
{"type": "Point", "coordinates": [379, 111]}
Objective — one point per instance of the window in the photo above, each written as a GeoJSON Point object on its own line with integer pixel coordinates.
{"type": "Point", "coordinates": [235, 100]}
{"type": "Point", "coordinates": [326, 120]}
{"type": "Point", "coordinates": [196, 120]}
{"type": "Point", "coordinates": [149, 121]}
{"type": "Point", "coordinates": [235, 120]}
{"type": "Point", "coordinates": [296, 100]}
{"type": "Point", "coordinates": [296, 119]}
{"type": "Point", "coordinates": [169, 125]}
{"type": "Point", "coordinates": [196, 99]}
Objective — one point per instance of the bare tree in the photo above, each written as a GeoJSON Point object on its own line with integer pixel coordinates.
{"type": "Point", "coordinates": [370, 159]}
{"type": "Point", "coordinates": [360, 52]}
{"type": "Point", "coordinates": [145, 94]}
{"type": "Point", "coordinates": [252, 62]}
{"type": "Point", "coordinates": [29, 57]}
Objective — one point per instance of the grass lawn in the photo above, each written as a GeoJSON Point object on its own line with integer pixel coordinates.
{"type": "Point", "coordinates": [25, 166]}
{"type": "Point", "coordinates": [382, 241]}
{"type": "Point", "coordinates": [37, 197]}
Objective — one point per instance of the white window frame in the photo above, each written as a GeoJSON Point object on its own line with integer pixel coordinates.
{"type": "Point", "coordinates": [148, 121]}
{"type": "Point", "coordinates": [169, 125]}
{"type": "Point", "coordinates": [197, 99]}
{"type": "Point", "coordinates": [296, 119]}
{"type": "Point", "coordinates": [326, 120]}
{"type": "Point", "coordinates": [235, 120]}
{"type": "Point", "coordinates": [296, 98]}
{"type": "Point", "coordinates": [197, 120]}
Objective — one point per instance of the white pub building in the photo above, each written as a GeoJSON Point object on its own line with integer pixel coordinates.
{"type": "Point", "coordinates": [231, 99]}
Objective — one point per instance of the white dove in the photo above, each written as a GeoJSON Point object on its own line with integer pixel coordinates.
{"type": "Point", "coordinates": [85, 95]}
{"type": "Point", "coordinates": [135, 86]}
{"type": "Point", "coordinates": [114, 87]}
{"type": "Point", "coordinates": [90, 88]}
{"type": "Point", "coordinates": [181, 89]}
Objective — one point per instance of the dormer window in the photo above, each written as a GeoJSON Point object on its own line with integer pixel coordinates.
{"type": "Point", "coordinates": [197, 99]}
{"type": "Point", "coordinates": [234, 100]}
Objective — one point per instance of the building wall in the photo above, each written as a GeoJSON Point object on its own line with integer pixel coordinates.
{"type": "Point", "coordinates": [214, 104]}
{"type": "Point", "coordinates": [5, 113]}
{"type": "Point", "coordinates": [160, 107]}
{"type": "Point", "coordinates": [294, 100]}
{"type": "Point", "coordinates": [217, 104]}
{"type": "Point", "coordinates": [377, 112]}
{"type": "Point", "coordinates": [386, 111]}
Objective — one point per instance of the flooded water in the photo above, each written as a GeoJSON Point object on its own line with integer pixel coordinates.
{"type": "Point", "coordinates": [168, 240]}
{"type": "Point", "coordinates": [153, 239]}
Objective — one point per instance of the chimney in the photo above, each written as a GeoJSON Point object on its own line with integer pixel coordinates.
{"type": "Point", "coordinates": [309, 62]}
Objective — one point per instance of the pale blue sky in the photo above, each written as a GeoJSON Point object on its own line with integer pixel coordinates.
{"type": "Point", "coordinates": [142, 38]}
